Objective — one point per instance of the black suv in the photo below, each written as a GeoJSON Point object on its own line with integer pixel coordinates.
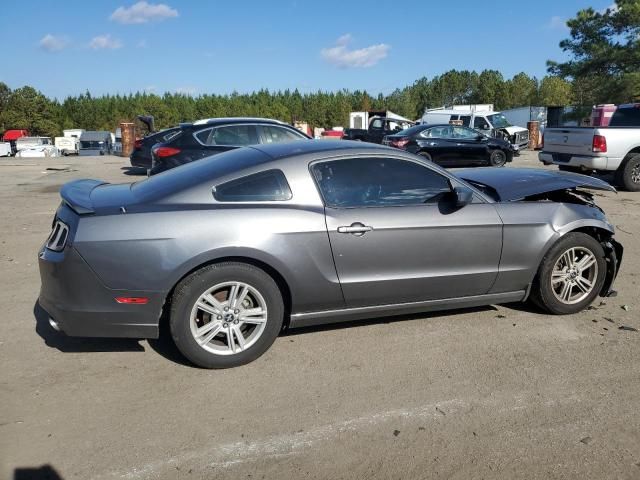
{"type": "Point", "coordinates": [208, 137]}
{"type": "Point", "coordinates": [141, 155]}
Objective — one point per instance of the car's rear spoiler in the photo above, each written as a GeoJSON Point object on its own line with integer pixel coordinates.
{"type": "Point", "coordinates": [77, 195]}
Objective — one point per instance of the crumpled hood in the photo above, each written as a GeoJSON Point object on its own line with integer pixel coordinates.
{"type": "Point", "coordinates": [512, 184]}
{"type": "Point", "coordinates": [513, 129]}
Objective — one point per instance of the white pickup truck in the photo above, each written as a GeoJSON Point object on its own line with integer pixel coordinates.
{"type": "Point", "coordinates": [587, 149]}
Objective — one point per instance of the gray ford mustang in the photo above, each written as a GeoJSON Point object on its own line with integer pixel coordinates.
{"type": "Point", "coordinates": [234, 247]}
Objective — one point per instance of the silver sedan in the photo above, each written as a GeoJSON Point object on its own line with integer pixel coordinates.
{"type": "Point", "coordinates": [232, 249]}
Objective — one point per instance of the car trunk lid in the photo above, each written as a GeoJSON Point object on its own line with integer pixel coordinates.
{"type": "Point", "coordinates": [88, 196]}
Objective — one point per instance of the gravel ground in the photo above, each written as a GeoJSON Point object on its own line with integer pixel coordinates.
{"type": "Point", "coordinates": [496, 392]}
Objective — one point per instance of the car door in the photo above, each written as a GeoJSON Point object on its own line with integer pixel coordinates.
{"type": "Point", "coordinates": [468, 146]}
{"type": "Point", "coordinates": [376, 131]}
{"type": "Point", "coordinates": [397, 237]}
{"type": "Point", "coordinates": [437, 142]}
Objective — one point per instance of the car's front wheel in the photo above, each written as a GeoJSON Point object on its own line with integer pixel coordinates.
{"type": "Point", "coordinates": [628, 174]}
{"type": "Point", "coordinates": [497, 158]}
{"type": "Point", "coordinates": [225, 315]}
{"type": "Point", "coordinates": [571, 275]}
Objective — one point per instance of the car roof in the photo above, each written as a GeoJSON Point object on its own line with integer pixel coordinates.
{"type": "Point", "coordinates": [219, 120]}
{"type": "Point", "coordinates": [302, 147]}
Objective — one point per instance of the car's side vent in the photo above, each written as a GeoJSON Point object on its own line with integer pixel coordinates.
{"type": "Point", "coordinates": [58, 237]}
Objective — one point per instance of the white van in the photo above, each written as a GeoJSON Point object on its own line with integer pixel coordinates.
{"type": "Point", "coordinates": [68, 145]}
{"type": "Point", "coordinates": [493, 124]}
{"type": "Point", "coordinates": [24, 143]}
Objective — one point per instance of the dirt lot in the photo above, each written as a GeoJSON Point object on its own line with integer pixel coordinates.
{"type": "Point", "coordinates": [502, 392]}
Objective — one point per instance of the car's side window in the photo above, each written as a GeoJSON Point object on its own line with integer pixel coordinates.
{"type": "Point", "coordinates": [438, 132]}
{"type": "Point", "coordinates": [270, 185]}
{"type": "Point", "coordinates": [378, 182]}
{"type": "Point", "coordinates": [228, 135]}
{"type": "Point", "coordinates": [464, 133]}
{"type": "Point", "coordinates": [466, 119]}
{"type": "Point", "coordinates": [480, 123]}
{"type": "Point", "coordinates": [273, 134]}
{"type": "Point", "coordinates": [377, 123]}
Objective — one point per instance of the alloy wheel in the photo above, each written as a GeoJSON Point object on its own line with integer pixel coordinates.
{"type": "Point", "coordinates": [635, 174]}
{"type": "Point", "coordinates": [574, 275]}
{"type": "Point", "coordinates": [228, 318]}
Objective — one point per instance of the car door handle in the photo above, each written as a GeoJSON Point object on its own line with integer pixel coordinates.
{"type": "Point", "coordinates": [356, 228]}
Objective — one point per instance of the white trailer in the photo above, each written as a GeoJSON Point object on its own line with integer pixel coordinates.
{"type": "Point", "coordinates": [5, 149]}
{"type": "Point", "coordinates": [360, 120]}
{"type": "Point", "coordinates": [68, 145]}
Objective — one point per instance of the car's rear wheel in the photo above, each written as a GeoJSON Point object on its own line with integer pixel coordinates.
{"type": "Point", "coordinates": [225, 315]}
{"type": "Point", "coordinates": [497, 158]}
{"type": "Point", "coordinates": [571, 275]}
{"type": "Point", "coordinates": [628, 174]}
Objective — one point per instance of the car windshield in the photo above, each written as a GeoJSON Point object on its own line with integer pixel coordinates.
{"type": "Point", "coordinates": [407, 132]}
{"type": "Point", "coordinates": [498, 120]}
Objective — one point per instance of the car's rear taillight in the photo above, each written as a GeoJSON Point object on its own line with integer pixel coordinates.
{"type": "Point", "coordinates": [599, 144]}
{"type": "Point", "coordinates": [137, 144]}
{"type": "Point", "coordinates": [164, 152]}
{"type": "Point", "coordinates": [400, 142]}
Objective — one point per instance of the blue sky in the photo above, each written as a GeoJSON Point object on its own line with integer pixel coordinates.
{"type": "Point", "coordinates": [66, 48]}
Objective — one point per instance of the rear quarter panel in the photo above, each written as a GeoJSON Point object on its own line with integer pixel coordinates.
{"type": "Point", "coordinates": [154, 250]}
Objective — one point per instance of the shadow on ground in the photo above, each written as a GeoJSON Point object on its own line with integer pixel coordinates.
{"type": "Point", "coordinates": [134, 171]}
{"type": "Point", "coordinates": [44, 472]}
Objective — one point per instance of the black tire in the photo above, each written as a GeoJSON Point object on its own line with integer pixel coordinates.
{"type": "Point", "coordinates": [497, 158]}
{"type": "Point", "coordinates": [628, 174]}
{"type": "Point", "coordinates": [542, 293]}
{"type": "Point", "coordinates": [426, 156]}
{"type": "Point", "coordinates": [192, 287]}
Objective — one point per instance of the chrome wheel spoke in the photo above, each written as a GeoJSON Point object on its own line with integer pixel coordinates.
{"type": "Point", "coordinates": [214, 302]}
{"type": "Point", "coordinates": [207, 308]}
{"type": "Point", "coordinates": [253, 315]}
{"type": "Point", "coordinates": [240, 340]}
{"type": "Point", "coordinates": [584, 284]}
{"type": "Point", "coordinates": [565, 293]}
{"type": "Point", "coordinates": [586, 262]}
{"type": "Point", "coordinates": [205, 334]}
{"type": "Point", "coordinates": [557, 277]}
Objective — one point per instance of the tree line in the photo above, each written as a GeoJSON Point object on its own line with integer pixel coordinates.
{"type": "Point", "coordinates": [28, 108]}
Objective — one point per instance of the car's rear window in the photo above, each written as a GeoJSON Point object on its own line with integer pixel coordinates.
{"type": "Point", "coordinates": [626, 117]}
{"type": "Point", "coordinates": [192, 174]}
{"type": "Point", "coordinates": [270, 185]}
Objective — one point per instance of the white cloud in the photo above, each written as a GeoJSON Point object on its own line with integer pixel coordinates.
{"type": "Point", "coordinates": [187, 90]}
{"type": "Point", "coordinates": [557, 23]}
{"type": "Point", "coordinates": [143, 12]}
{"type": "Point", "coordinates": [341, 56]}
{"type": "Point", "coordinates": [105, 41]}
{"type": "Point", "coordinates": [51, 43]}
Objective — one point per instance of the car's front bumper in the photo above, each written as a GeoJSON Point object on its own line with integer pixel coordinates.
{"type": "Point", "coordinates": [80, 305]}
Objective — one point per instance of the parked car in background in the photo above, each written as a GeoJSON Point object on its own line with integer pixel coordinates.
{"type": "Point", "coordinates": [12, 136]}
{"type": "Point", "coordinates": [95, 143]}
{"type": "Point", "coordinates": [211, 136]}
{"type": "Point", "coordinates": [615, 148]}
{"type": "Point", "coordinates": [141, 155]}
{"type": "Point", "coordinates": [312, 232]}
{"type": "Point", "coordinates": [452, 145]}
{"type": "Point", "coordinates": [492, 124]}
{"type": "Point", "coordinates": [24, 143]}
{"type": "Point", "coordinates": [67, 145]}
{"type": "Point", "coordinates": [379, 127]}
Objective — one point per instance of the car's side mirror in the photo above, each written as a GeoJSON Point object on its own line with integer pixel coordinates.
{"type": "Point", "coordinates": [463, 196]}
